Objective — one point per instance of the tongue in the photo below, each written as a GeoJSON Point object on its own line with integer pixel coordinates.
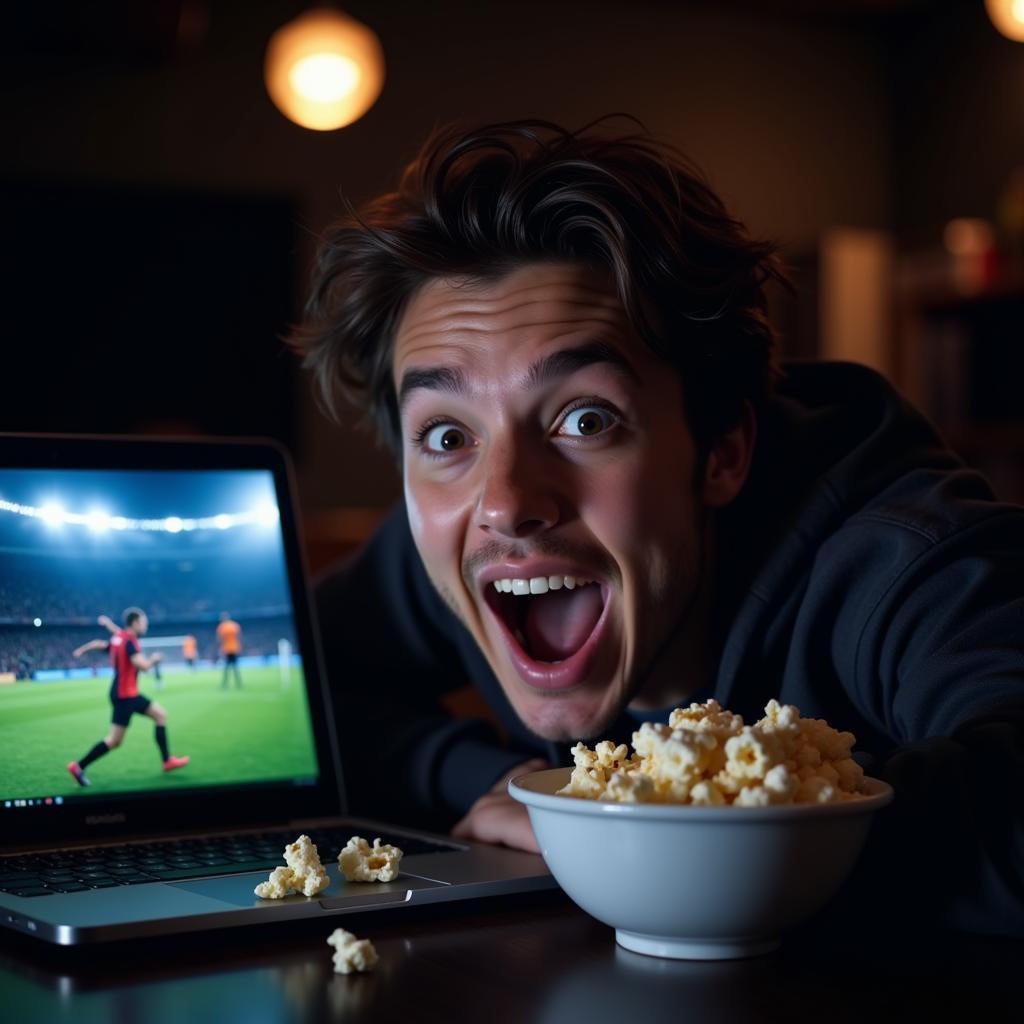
{"type": "Point", "coordinates": [559, 622]}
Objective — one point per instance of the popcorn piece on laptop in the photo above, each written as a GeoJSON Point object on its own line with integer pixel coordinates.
{"type": "Point", "coordinates": [277, 886]}
{"type": "Point", "coordinates": [302, 857]}
{"type": "Point", "coordinates": [360, 862]}
{"type": "Point", "coordinates": [351, 954]}
{"type": "Point", "coordinates": [303, 873]}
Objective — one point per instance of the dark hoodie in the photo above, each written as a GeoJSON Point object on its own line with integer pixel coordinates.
{"type": "Point", "coordinates": [864, 575]}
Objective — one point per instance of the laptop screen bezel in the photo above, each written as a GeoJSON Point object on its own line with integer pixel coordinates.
{"type": "Point", "coordinates": [102, 818]}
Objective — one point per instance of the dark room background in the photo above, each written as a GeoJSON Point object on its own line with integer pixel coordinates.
{"type": "Point", "coordinates": [160, 214]}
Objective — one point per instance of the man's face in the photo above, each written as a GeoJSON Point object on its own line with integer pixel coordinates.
{"type": "Point", "coordinates": [545, 449]}
{"type": "Point", "coordinates": [141, 626]}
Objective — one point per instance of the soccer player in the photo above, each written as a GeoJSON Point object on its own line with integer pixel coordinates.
{"type": "Point", "coordinates": [128, 660]}
{"type": "Point", "coordinates": [109, 624]}
{"type": "Point", "coordinates": [229, 634]}
{"type": "Point", "coordinates": [189, 650]}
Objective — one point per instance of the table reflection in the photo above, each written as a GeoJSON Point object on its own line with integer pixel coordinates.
{"type": "Point", "coordinates": [546, 963]}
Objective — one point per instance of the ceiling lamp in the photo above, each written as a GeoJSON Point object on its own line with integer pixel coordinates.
{"type": "Point", "coordinates": [324, 70]}
{"type": "Point", "coordinates": [1008, 17]}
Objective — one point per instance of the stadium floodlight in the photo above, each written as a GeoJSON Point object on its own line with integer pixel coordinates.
{"type": "Point", "coordinates": [53, 514]}
{"type": "Point", "coordinates": [267, 514]}
{"type": "Point", "coordinates": [37, 623]}
{"type": "Point", "coordinates": [98, 521]}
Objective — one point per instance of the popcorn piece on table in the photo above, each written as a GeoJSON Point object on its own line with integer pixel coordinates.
{"type": "Point", "coordinates": [360, 862]}
{"type": "Point", "coordinates": [351, 954]}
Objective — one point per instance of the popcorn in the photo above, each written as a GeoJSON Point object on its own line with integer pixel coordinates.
{"type": "Point", "coordinates": [706, 755]}
{"type": "Point", "coordinates": [277, 886]}
{"type": "Point", "coordinates": [360, 862]}
{"type": "Point", "coordinates": [635, 788]}
{"type": "Point", "coordinates": [302, 857]}
{"type": "Point", "coordinates": [303, 873]}
{"type": "Point", "coordinates": [351, 954]}
{"type": "Point", "coordinates": [707, 793]}
{"type": "Point", "coordinates": [750, 754]}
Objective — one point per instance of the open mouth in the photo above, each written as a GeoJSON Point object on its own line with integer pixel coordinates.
{"type": "Point", "coordinates": [550, 618]}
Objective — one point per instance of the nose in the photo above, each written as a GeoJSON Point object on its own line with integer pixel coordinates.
{"type": "Point", "coordinates": [517, 498]}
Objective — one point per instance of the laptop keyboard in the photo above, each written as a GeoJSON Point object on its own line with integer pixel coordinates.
{"type": "Point", "coordinates": [43, 874]}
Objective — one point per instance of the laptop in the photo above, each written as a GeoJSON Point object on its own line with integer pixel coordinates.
{"type": "Point", "coordinates": [121, 829]}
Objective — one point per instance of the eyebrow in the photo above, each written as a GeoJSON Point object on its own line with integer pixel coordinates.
{"type": "Point", "coordinates": [562, 363]}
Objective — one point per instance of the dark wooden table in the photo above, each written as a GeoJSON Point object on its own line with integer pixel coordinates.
{"type": "Point", "coordinates": [541, 960]}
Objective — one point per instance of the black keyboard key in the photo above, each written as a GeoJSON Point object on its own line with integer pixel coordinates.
{"type": "Point", "coordinates": [24, 882]}
{"type": "Point", "coordinates": [70, 887]}
{"type": "Point", "coordinates": [176, 874]}
{"type": "Point", "coordinates": [12, 877]}
{"type": "Point", "coordinates": [35, 891]}
{"type": "Point", "coordinates": [102, 883]}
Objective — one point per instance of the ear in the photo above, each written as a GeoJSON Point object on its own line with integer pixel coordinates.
{"type": "Point", "coordinates": [728, 461]}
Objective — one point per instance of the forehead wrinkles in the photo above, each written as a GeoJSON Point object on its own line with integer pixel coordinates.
{"type": "Point", "coordinates": [445, 312]}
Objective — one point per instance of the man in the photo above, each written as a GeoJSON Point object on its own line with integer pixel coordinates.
{"type": "Point", "coordinates": [616, 504]}
{"type": "Point", "coordinates": [189, 651]}
{"type": "Point", "coordinates": [229, 636]}
{"type": "Point", "coordinates": [113, 629]}
{"type": "Point", "coordinates": [127, 659]}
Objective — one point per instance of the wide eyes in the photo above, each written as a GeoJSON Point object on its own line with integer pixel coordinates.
{"type": "Point", "coordinates": [587, 420]}
{"type": "Point", "coordinates": [584, 421]}
{"type": "Point", "coordinates": [443, 438]}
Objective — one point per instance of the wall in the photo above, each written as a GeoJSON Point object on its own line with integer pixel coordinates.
{"type": "Point", "coordinates": [786, 110]}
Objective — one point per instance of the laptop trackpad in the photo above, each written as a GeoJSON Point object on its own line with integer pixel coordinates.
{"type": "Point", "coordinates": [238, 889]}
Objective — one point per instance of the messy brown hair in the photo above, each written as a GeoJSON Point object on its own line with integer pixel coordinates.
{"type": "Point", "coordinates": [482, 202]}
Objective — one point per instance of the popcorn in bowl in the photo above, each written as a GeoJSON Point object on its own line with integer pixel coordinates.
{"type": "Point", "coordinates": [719, 835]}
{"type": "Point", "coordinates": [707, 756]}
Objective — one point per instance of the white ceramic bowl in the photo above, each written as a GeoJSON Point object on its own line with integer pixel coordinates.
{"type": "Point", "coordinates": [705, 883]}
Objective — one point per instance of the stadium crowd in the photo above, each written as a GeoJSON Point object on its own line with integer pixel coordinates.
{"type": "Point", "coordinates": [27, 650]}
{"type": "Point", "coordinates": [68, 592]}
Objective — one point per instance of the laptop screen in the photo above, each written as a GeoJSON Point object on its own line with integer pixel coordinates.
{"type": "Point", "coordinates": [149, 644]}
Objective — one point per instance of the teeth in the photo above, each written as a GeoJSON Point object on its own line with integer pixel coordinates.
{"type": "Point", "coordinates": [539, 584]}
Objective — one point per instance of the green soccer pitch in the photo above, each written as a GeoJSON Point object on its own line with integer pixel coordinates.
{"type": "Point", "coordinates": [257, 733]}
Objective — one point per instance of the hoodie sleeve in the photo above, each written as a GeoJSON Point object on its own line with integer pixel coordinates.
{"type": "Point", "coordinates": [940, 668]}
{"type": "Point", "coordinates": [390, 653]}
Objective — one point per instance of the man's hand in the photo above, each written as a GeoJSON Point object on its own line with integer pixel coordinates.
{"type": "Point", "coordinates": [497, 818]}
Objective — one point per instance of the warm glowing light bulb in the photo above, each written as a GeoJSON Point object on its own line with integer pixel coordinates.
{"type": "Point", "coordinates": [324, 77]}
{"type": "Point", "coordinates": [1008, 17]}
{"type": "Point", "coordinates": [324, 70]}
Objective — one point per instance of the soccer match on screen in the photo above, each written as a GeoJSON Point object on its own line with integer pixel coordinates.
{"type": "Point", "coordinates": [147, 641]}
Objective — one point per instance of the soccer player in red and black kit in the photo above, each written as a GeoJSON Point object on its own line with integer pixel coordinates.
{"type": "Point", "coordinates": [128, 660]}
